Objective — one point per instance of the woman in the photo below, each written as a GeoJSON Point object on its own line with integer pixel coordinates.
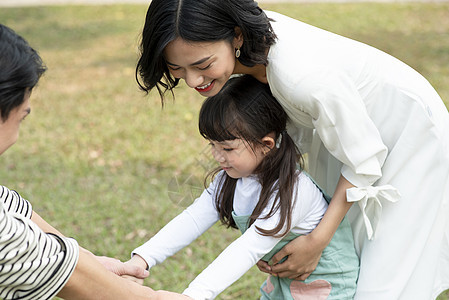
{"type": "Point", "coordinates": [375, 129]}
{"type": "Point", "coordinates": [37, 262]}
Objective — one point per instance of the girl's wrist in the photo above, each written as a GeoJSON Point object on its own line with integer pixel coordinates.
{"type": "Point", "coordinates": [136, 259]}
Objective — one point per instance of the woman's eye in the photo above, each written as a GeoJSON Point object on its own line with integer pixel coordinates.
{"type": "Point", "coordinates": [174, 68]}
{"type": "Point", "coordinates": [206, 67]}
{"type": "Point", "coordinates": [227, 149]}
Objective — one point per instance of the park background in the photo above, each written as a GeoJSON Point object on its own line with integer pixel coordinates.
{"type": "Point", "coordinates": [108, 165]}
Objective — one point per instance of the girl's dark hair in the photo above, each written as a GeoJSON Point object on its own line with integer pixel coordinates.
{"type": "Point", "coordinates": [199, 21]}
{"type": "Point", "coordinates": [245, 109]}
{"type": "Point", "coordinates": [20, 70]}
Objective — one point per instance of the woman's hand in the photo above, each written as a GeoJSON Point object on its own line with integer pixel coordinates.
{"type": "Point", "coordinates": [304, 252]}
{"type": "Point", "coordinates": [303, 255]}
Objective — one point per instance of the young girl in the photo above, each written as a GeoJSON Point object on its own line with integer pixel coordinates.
{"type": "Point", "coordinates": [260, 190]}
{"type": "Point", "coordinates": [375, 131]}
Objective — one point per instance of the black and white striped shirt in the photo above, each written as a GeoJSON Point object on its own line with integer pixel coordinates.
{"type": "Point", "coordinates": [33, 264]}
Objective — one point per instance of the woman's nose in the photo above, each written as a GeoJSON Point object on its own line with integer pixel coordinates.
{"type": "Point", "coordinates": [193, 79]}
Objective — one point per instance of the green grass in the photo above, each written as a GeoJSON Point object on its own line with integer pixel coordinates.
{"type": "Point", "coordinates": [98, 159]}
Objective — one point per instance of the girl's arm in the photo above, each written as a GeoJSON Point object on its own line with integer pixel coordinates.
{"type": "Point", "coordinates": [249, 248]}
{"type": "Point", "coordinates": [231, 264]}
{"type": "Point", "coordinates": [305, 251]}
{"type": "Point", "coordinates": [178, 233]}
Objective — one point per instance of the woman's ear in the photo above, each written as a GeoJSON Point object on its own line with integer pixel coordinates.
{"type": "Point", "coordinates": [238, 39]}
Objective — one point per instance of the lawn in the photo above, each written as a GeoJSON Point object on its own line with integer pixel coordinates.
{"type": "Point", "coordinates": [107, 165]}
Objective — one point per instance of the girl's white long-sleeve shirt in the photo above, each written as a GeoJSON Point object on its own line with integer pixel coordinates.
{"type": "Point", "coordinates": [309, 206]}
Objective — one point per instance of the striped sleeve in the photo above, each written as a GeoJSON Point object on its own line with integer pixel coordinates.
{"type": "Point", "coordinates": [15, 203]}
{"type": "Point", "coordinates": [33, 264]}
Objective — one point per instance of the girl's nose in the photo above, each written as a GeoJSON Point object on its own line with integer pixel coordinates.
{"type": "Point", "coordinates": [218, 156]}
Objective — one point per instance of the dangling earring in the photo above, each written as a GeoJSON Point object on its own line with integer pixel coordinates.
{"type": "Point", "coordinates": [237, 52]}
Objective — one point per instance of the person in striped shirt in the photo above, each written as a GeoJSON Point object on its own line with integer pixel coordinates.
{"type": "Point", "coordinates": [36, 260]}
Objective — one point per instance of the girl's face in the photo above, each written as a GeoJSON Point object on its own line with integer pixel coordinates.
{"type": "Point", "coordinates": [237, 158]}
{"type": "Point", "coordinates": [9, 129]}
{"type": "Point", "coordinates": [205, 66]}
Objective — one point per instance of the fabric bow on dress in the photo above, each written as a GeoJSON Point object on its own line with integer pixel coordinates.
{"type": "Point", "coordinates": [370, 202]}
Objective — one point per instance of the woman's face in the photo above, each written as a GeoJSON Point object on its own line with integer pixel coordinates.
{"type": "Point", "coordinates": [9, 129]}
{"type": "Point", "coordinates": [205, 66]}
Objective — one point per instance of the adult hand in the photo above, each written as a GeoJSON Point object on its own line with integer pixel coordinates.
{"type": "Point", "coordinates": [123, 269]}
{"type": "Point", "coordinates": [303, 255]}
{"type": "Point", "coordinates": [91, 281]}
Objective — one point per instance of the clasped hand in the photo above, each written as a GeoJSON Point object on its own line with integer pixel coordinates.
{"type": "Point", "coordinates": [302, 255]}
{"type": "Point", "coordinates": [129, 270]}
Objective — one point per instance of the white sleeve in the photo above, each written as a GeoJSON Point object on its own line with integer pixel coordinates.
{"type": "Point", "coordinates": [231, 264]}
{"type": "Point", "coordinates": [340, 118]}
{"type": "Point", "coordinates": [180, 231]}
{"type": "Point", "coordinates": [248, 249]}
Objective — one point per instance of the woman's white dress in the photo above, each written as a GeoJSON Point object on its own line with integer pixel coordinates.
{"type": "Point", "coordinates": [365, 115]}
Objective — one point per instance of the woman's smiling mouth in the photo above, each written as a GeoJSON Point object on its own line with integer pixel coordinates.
{"type": "Point", "coordinates": [205, 88]}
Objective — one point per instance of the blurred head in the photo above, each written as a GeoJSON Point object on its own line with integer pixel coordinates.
{"type": "Point", "coordinates": [20, 70]}
{"type": "Point", "coordinates": [196, 36]}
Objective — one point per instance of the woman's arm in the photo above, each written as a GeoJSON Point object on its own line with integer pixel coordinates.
{"type": "Point", "coordinates": [329, 97]}
{"type": "Point", "coordinates": [305, 251]}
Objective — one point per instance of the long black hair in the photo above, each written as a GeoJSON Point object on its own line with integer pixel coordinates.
{"type": "Point", "coordinates": [20, 70]}
{"type": "Point", "coordinates": [246, 109]}
{"type": "Point", "coordinates": [199, 21]}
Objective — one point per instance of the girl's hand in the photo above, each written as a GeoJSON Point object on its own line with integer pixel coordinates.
{"type": "Point", "coordinates": [136, 262]}
{"type": "Point", "coordinates": [303, 255]}
{"type": "Point", "coordinates": [122, 269]}
{"type": "Point", "coordinates": [264, 266]}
